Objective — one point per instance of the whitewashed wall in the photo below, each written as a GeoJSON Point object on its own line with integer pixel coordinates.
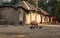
{"type": "Point", "coordinates": [33, 17]}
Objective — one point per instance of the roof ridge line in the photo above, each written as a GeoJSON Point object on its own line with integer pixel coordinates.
{"type": "Point", "coordinates": [26, 4]}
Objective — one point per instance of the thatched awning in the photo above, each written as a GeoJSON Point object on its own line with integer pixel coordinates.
{"type": "Point", "coordinates": [26, 5]}
{"type": "Point", "coordinates": [43, 12]}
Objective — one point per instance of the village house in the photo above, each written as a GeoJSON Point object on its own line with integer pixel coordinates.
{"type": "Point", "coordinates": [24, 12]}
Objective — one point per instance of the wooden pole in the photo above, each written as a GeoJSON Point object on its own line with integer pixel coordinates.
{"type": "Point", "coordinates": [41, 18]}
{"type": "Point", "coordinates": [51, 19]}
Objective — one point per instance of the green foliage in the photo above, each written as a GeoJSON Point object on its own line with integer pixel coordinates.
{"type": "Point", "coordinates": [57, 10]}
{"type": "Point", "coordinates": [34, 2]}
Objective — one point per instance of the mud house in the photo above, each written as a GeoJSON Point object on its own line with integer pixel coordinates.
{"type": "Point", "coordinates": [9, 13]}
{"type": "Point", "coordinates": [33, 13]}
{"type": "Point", "coordinates": [23, 12]}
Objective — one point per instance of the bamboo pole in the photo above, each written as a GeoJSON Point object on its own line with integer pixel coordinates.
{"type": "Point", "coordinates": [36, 10]}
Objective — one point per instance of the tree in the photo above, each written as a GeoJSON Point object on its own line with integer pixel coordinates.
{"type": "Point", "coordinates": [51, 6]}
{"type": "Point", "coordinates": [47, 5]}
{"type": "Point", "coordinates": [34, 2]}
{"type": "Point", "coordinates": [57, 10]}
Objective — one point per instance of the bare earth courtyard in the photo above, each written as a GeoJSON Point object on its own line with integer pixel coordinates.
{"type": "Point", "coordinates": [11, 31]}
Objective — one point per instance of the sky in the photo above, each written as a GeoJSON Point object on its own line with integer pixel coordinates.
{"type": "Point", "coordinates": [5, 0]}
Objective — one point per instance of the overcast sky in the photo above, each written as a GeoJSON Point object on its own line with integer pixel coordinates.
{"type": "Point", "coordinates": [6, 0]}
